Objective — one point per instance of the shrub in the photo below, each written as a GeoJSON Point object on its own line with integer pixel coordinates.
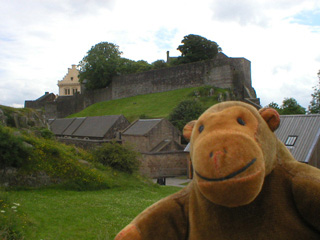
{"type": "Point", "coordinates": [116, 156]}
{"type": "Point", "coordinates": [46, 133]}
{"type": "Point", "coordinates": [185, 112]}
{"type": "Point", "coordinates": [13, 152]}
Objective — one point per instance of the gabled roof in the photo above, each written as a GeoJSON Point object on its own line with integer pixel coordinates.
{"type": "Point", "coordinates": [96, 126]}
{"type": "Point", "coordinates": [301, 133]}
{"type": "Point", "coordinates": [73, 126]}
{"type": "Point", "coordinates": [45, 96]}
{"type": "Point", "coordinates": [141, 127]}
{"type": "Point", "coordinates": [167, 143]}
{"type": "Point", "coordinates": [58, 126]}
{"type": "Point", "coordinates": [84, 127]}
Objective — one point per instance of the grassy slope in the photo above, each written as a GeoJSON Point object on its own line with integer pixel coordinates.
{"type": "Point", "coordinates": [55, 213]}
{"type": "Point", "coordinates": [67, 215]}
{"type": "Point", "coordinates": [156, 105]}
{"type": "Point", "coordinates": [60, 214]}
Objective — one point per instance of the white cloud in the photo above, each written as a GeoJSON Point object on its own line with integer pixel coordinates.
{"type": "Point", "coordinates": [243, 12]}
{"type": "Point", "coordinates": [40, 39]}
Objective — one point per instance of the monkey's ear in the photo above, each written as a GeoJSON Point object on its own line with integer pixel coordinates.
{"type": "Point", "coordinates": [187, 130]}
{"type": "Point", "coordinates": [271, 116]}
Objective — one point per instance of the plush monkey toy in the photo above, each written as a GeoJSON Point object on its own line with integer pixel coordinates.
{"type": "Point", "coordinates": [246, 184]}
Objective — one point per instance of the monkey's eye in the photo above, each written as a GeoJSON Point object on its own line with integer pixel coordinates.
{"type": "Point", "coordinates": [241, 121]}
{"type": "Point", "coordinates": [201, 128]}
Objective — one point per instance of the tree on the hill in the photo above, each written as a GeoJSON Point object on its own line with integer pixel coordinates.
{"type": "Point", "coordinates": [159, 64]}
{"type": "Point", "coordinates": [127, 66]}
{"type": "Point", "coordinates": [99, 66]}
{"type": "Point", "coordinates": [289, 106]}
{"type": "Point", "coordinates": [196, 48]}
{"type": "Point", "coordinates": [142, 66]}
{"type": "Point", "coordinates": [274, 106]}
{"type": "Point", "coordinates": [185, 112]}
{"type": "Point", "coordinates": [314, 106]}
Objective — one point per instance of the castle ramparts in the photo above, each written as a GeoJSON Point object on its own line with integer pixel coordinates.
{"type": "Point", "coordinates": [222, 72]}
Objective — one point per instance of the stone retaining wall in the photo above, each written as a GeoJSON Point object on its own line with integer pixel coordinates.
{"type": "Point", "coordinates": [164, 164]}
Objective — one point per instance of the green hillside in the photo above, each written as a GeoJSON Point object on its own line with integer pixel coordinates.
{"type": "Point", "coordinates": [155, 105]}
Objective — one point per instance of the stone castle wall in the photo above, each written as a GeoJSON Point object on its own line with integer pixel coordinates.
{"type": "Point", "coordinates": [212, 72]}
{"type": "Point", "coordinates": [222, 72]}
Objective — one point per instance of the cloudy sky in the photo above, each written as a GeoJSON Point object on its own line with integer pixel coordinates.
{"type": "Point", "coordinates": [41, 39]}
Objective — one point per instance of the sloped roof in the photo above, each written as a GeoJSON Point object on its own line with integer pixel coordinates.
{"type": "Point", "coordinates": [96, 126]}
{"type": "Point", "coordinates": [84, 127]}
{"type": "Point", "coordinates": [167, 143]}
{"type": "Point", "coordinates": [305, 129]}
{"type": "Point", "coordinates": [50, 120]}
{"type": "Point", "coordinates": [58, 126]}
{"type": "Point", "coordinates": [73, 126]}
{"type": "Point", "coordinates": [45, 96]}
{"type": "Point", "coordinates": [141, 127]}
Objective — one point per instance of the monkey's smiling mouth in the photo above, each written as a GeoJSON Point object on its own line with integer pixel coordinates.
{"type": "Point", "coordinates": [231, 175]}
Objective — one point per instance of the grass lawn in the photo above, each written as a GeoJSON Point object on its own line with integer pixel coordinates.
{"type": "Point", "coordinates": [60, 214]}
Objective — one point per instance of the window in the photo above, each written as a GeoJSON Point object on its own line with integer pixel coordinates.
{"type": "Point", "coordinates": [71, 78]}
{"type": "Point", "coordinates": [291, 140]}
{"type": "Point", "coordinates": [67, 91]}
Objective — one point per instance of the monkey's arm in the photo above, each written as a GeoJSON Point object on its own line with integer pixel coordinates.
{"type": "Point", "coordinates": [166, 219]}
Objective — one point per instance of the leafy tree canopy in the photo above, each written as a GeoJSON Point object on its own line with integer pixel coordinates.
{"type": "Point", "coordinates": [314, 106]}
{"type": "Point", "coordinates": [142, 66]}
{"type": "Point", "coordinates": [100, 65]}
{"type": "Point", "coordinates": [289, 106]}
{"type": "Point", "coordinates": [127, 66]}
{"type": "Point", "coordinates": [274, 106]}
{"type": "Point", "coordinates": [185, 112]}
{"type": "Point", "coordinates": [159, 64]}
{"type": "Point", "coordinates": [103, 61]}
{"type": "Point", "coordinates": [196, 48]}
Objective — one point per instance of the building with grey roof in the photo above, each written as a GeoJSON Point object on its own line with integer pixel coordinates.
{"type": "Point", "coordinates": [141, 127]}
{"type": "Point", "coordinates": [158, 141]}
{"type": "Point", "coordinates": [152, 135]}
{"type": "Point", "coordinates": [301, 135]}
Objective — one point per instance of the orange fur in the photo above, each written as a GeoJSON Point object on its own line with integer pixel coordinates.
{"type": "Point", "coordinates": [246, 184]}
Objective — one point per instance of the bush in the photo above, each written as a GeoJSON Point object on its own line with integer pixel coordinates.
{"type": "Point", "coordinates": [13, 152]}
{"type": "Point", "coordinates": [118, 157]}
{"type": "Point", "coordinates": [46, 133]}
{"type": "Point", "coordinates": [185, 112]}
